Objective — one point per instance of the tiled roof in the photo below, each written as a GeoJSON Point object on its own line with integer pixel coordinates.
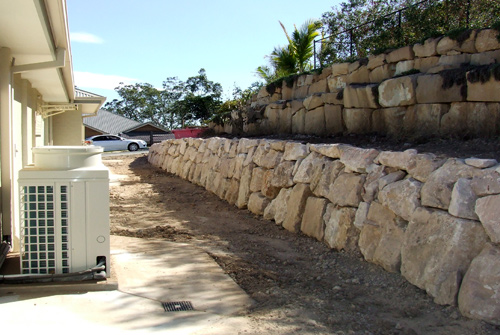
{"type": "Point", "coordinates": [79, 93]}
{"type": "Point", "coordinates": [110, 123]}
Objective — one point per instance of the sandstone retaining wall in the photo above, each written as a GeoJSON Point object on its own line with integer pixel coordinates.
{"type": "Point", "coordinates": [435, 221]}
{"type": "Point", "coordinates": [453, 91]}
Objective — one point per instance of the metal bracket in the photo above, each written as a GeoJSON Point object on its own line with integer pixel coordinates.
{"type": "Point", "coordinates": [47, 111]}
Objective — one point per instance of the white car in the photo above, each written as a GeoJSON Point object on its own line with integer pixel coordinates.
{"type": "Point", "coordinates": [115, 143]}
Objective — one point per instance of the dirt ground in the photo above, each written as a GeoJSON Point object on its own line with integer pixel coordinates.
{"type": "Point", "coordinates": [300, 286]}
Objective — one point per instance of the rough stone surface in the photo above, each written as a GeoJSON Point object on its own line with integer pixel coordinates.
{"type": "Point", "coordinates": [402, 197]}
{"type": "Point", "coordinates": [244, 191]}
{"type": "Point", "coordinates": [427, 49]}
{"type": "Point", "coordinates": [424, 120]}
{"type": "Point", "coordinates": [282, 175]}
{"type": "Point", "coordinates": [257, 178]}
{"type": "Point", "coordinates": [424, 165]}
{"type": "Point", "coordinates": [360, 96]}
{"type": "Point", "coordinates": [312, 220]}
{"type": "Point", "coordinates": [488, 211]}
{"type": "Point", "coordinates": [487, 91]}
{"type": "Point", "coordinates": [257, 203]}
{"type": "Point", "coordinates": [479, 296]}
{"type": "Point", "coordinates": [486, 40]}
{"type": "Point", "coordinates": [463, 200]}
{"type": "Point", "coordinates": [382, 73]}
{"type": "Point", "coordinates": [340, 232]}
{"type": "Point", "coordinates": [268, 189]}
{"type": "Point", "coordinates": [375, 61]}
{"type": "Point", "coordinates": [481, 163]}
{"type": "Point", "coordinates": [308, 167]}
{"type": "Point", "coordinates": [346, 190]}
{"type": "Point", "coordinates": [486, 184]}
{"type": "Point", "coordinates": [437, 251]}
{"type": "Point", "coordinates": [313, 101]}
{"type": "Point", "coordinates": [333, 119]}
{"type": "Point", "coordinates": [436, 192]}
{"type": "Point", "coordinates": [399, 160]}
{"type": "Point", "coordinates": [314, 121]}
{"type": "Point", "coordinates": [357, 120]}
{"type": "Point", "coordinates": [361, 213]}
{"type": "Point", "coordinates": [382, 237]}
{"type": "Point", "coordinates": [329, 173]}
{"type": "Point", "coordinates": [400, 54]}
{"type": "Point", "coordinates": [295, 207]}
{"type": "Point", "coordinates": [358, 159]}
{"type": "Point", "coordinates": [277, 209]}
{"type": "Point", "coordinates": [295, 150]}
{"type": "Point", "coordinates": [398, 91]}
{"type": "Point", "coordinates": [430, 90]}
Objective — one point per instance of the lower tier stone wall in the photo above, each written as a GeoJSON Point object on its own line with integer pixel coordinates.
{"type": "Point", "coordinates": [436, 221]}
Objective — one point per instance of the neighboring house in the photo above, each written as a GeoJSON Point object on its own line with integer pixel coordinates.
{"type": "Point", "coordinates": [109, 123]}
{"type": "Point", "coordinates": [38, 102]}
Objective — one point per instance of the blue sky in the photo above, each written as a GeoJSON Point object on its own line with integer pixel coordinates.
{"type": "Point", "coordinates": [147, 41]}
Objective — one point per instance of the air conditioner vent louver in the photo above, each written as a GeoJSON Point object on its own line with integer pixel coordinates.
{"type": "Point", "coordinates": [45, 229]}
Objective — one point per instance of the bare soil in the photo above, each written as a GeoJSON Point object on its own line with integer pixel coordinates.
{"type": "Point", "coordinates": [300, 285]}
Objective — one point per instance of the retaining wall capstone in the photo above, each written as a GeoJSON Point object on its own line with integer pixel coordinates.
{"type": "Point", "coordinates": [439, 88]}
{"type": "Point", "coordinates": [433, 220]}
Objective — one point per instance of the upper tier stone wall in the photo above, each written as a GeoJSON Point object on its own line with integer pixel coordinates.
{"type": "Point", "coordinates": [454, 90]}
{"type": "Point", "coordinates": [436, 221]}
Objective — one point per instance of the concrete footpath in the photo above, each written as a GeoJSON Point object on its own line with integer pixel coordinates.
{"type": "Point", "coordinates": [145, 274]}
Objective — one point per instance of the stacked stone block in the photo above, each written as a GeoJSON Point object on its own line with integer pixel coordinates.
{"type": "Point", "coordinates": [433, 220]}
{"type": "Point", "coordinates": [428, 89]}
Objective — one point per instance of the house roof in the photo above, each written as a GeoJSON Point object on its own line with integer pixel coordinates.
{"type": "Point", "coordinates": [37, 34]}
{"type": "Point", "coordinates": [89, 103]}
{"type": "Point", "coordinates": [110, 123]}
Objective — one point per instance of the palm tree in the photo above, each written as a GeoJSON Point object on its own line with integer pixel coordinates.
{"type": "Point", "coordinates": [293, 58]}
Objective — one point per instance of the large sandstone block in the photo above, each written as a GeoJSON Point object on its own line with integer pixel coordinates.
{"type": "Point", "coordinates": [268, 189]}
{"type": "Point", "coordinates": [346, 190]}
{"type": "Point", "coordinates": [277, 209]}
{"type": "Point", "coordinates": [285, 125]}
{"type": "Point", "coordinates": [330, 150]}
{"type": "Point", "coordinates": [357, 159]}
{"type": "Point", "coordinates": [375, 61]}
{"type": "Point", "coordinates": [398, 91]}
{"type": "Point", "coordinates": [359, 76]}
{"type": "Point", "coordinates": [381, 238]}
{"type": "Point", "coordinates": [320, 86]}
{"type": "Point", "coordinates": [488, 211]}
{"type": "Point", "coordinates": [298, 122]}
{"type": "Point", "coordinates": [430, 90]}
{"type": "Point", "coordinates": [312, 221]}
{"type": "Point", "coordinates": [487, 91]}
{"type": "Point", "coordinates": [313, 101]}
{"type": "Point", "coordinates": [340, 232]}
{"type": "Point", "coordinates": [360, 96]}
{"type": "Point", "coordinates": [389, 121]}
{"type": "Point", "coordinates": [486, 184]}
{"type": "Point", "coordinates": [257, 203]}
{"type": "Point", "coordinates": [425, 64]}
{"type": "Point", "coordinates": [486, 40]}
{"type": "Point", "coordinates": [333, 98]}
{"type": "Point", "coordinates": [244, 190]}
{"type": "Point", "coordinates": [437, 251]}
{"type": "Point", "coordinates": [295, 207]}
{"type": "Point", "coordinates": [283, 175]}
{"type": "Point", "coordinates": [479, 296]}
{"type": "Point", "coordinates": [257, 178]}
{"type": "Point", "coordinates": [381, 73]}
{"type": "Point", "coordinates": [340, 69]}
{"type": "Point", "coordinates": [308, 168]}
{"type": "Point", "coordinates": [336, 83]}
{"type": "Point", "coordinates": [357, 120]}
{"type": "Point", "coordinates": [401, 160]}
{"type": "Point", "coordinates": [404, 66]}
{"type": "Point", "coordinates": [333, 119]}
{"type": "Point", "coordinates": [400, 54]}
{"type": "Point", "coordinates": [232, 192]}
{"type": "Point", "coordinates": [423, 120]}
{"type": "Point", "coordinates": [485, 58]}
{"type": "Point", "coordinates": [314, 121]}
{"type": "Point", "coordinates": [328, 175]}
{"type": "Point", "coordinates": [427, 49]}
{"type": "Point", "coordinates": [436, 192]}
{"type": "Point", "coordinates": [463, 200]}
{"type": "Point", "coordinates": [402, 197]}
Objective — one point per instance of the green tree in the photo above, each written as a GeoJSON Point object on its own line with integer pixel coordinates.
{"type": "Point", "coordinates": [293, 58]}
{"type": "Point", "coordinates": [178, 104]}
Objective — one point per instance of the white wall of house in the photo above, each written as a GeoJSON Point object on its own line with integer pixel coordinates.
{"type": "Point", "coordinates": [68, 128]}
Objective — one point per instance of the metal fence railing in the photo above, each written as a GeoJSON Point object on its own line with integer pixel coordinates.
{"type": "Point", "coordinates": [404, 26]}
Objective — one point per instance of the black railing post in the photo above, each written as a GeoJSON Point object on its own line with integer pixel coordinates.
{"type": "Point", "coordinates": [351, 38]}
{"type": "Point", "coordinates": [314, 52]}
{"type": "Point", "coordinates": [468, 13]}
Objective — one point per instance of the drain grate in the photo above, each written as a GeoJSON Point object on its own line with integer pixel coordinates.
{"type": "Point", "coordinates": [177, 306]}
